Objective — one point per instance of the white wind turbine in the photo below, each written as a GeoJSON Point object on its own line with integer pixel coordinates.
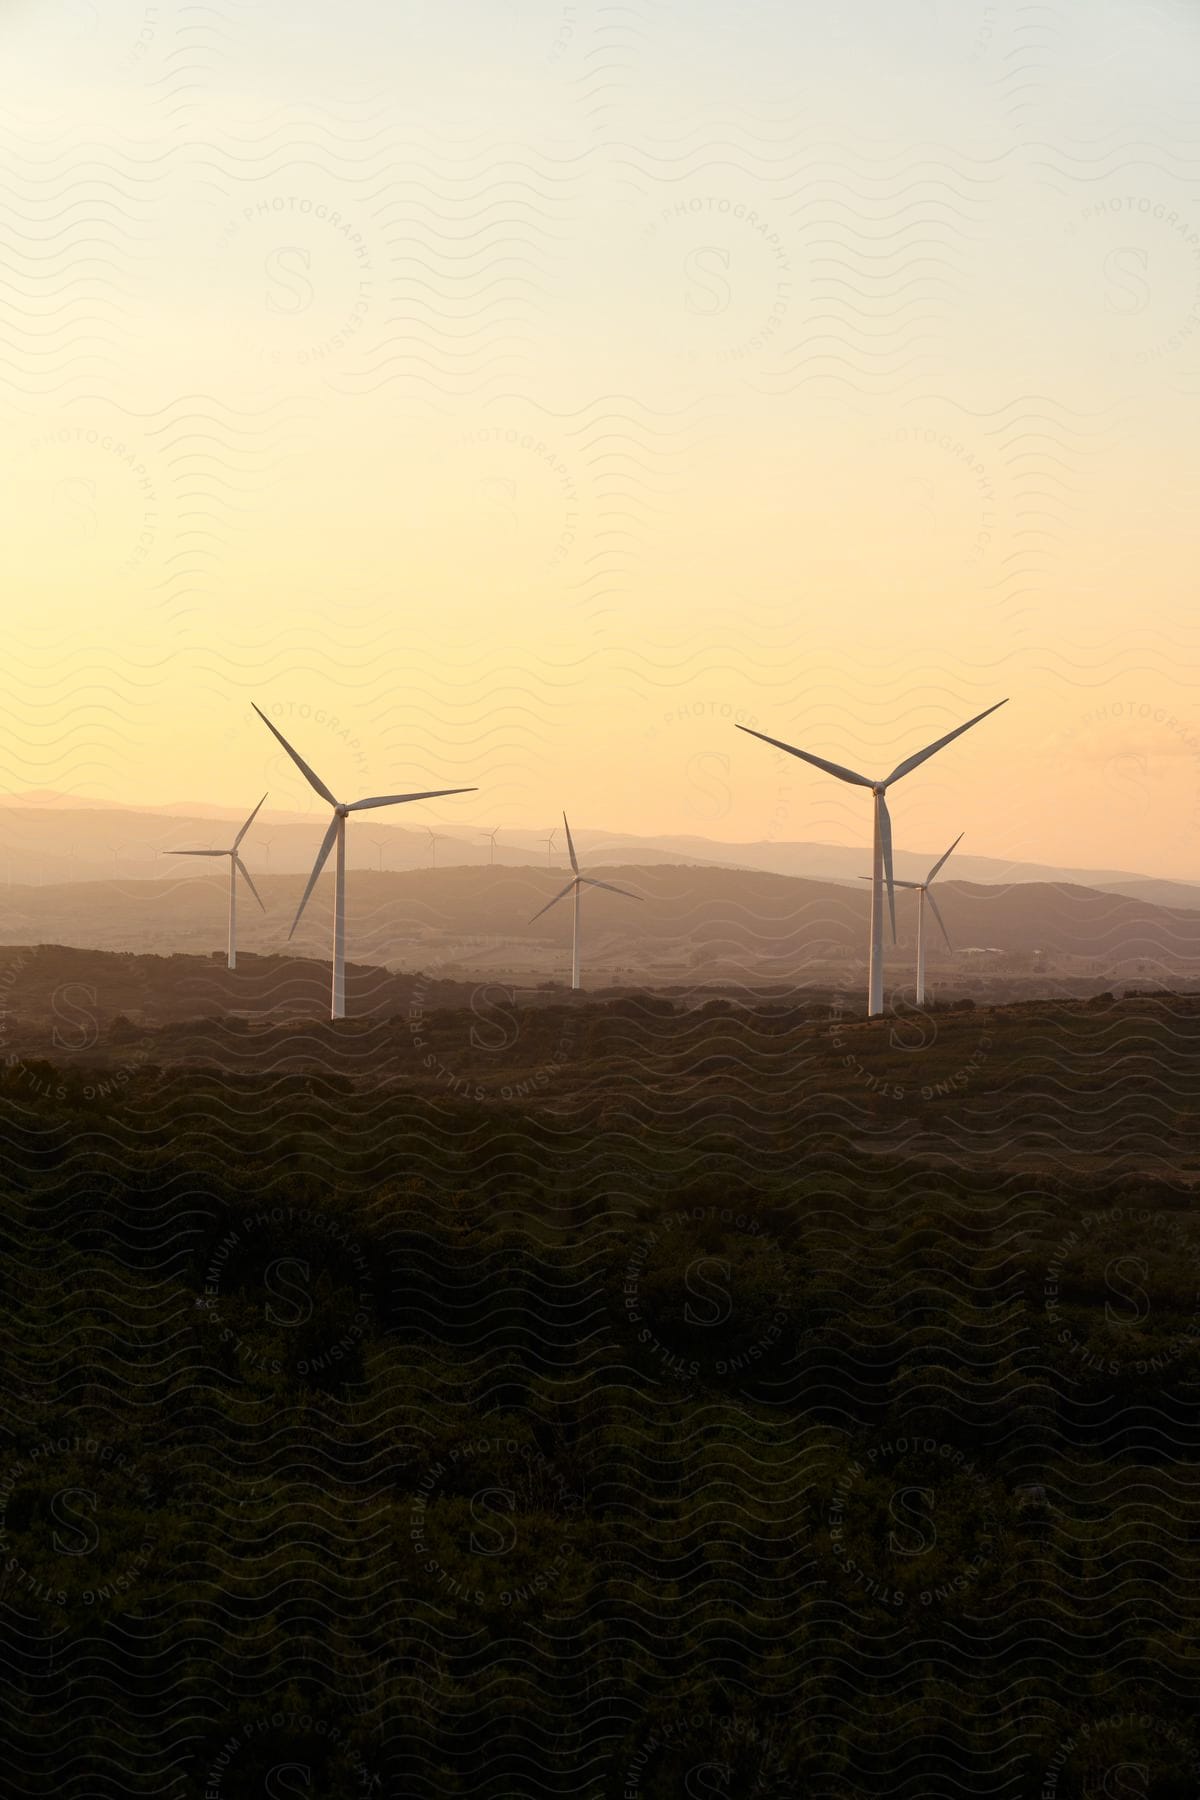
{"type": "Point", "coordinates": [434, 836]}
{"type": "Point", "coordinates": [550, 846]}
{"type": "Point", "coordinates": [576, 883]}
{"type": "Point", "coordinates": [882, 858]}
{"type": "Point", "coordinates": [490, 840]}
{"type": "Point", "coordinates": [922, 889]}
{"type": "Point", "coordinates": [336, 835]}
{"type": "Point", "coordinates": [236, 867]}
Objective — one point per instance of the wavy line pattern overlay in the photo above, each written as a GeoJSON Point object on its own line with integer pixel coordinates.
{"type": "Point", "coordinates": [684, 1386]}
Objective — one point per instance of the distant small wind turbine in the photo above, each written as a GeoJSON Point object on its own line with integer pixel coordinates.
{"type": "Point", "coordinates": [380, 846]}
{"type": "Point", "coordinates": [922, 889]}
{"type": "Point", "coordinates": [491, 843]}
{"type": "Point", "coordinates": [883, 834]}
{"type": "Point", "coordinates": [435, 837]}
{"type": "Point", "coordinates": [550, 846]}
{"type": "Point", "coordinates": [336, 835]}
{"type": "Point", "coordinates": [236, 867]}
{"type": "Point", "coordinates": [577, 883]}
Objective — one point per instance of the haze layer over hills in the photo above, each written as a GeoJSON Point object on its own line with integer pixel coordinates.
{"type": "Point", "coordinates": [52, 839]}
{"type": "Point", "coordinates": [695, 926]}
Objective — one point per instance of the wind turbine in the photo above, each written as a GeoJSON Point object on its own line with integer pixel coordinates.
{"type": "Point", "coordinates": [922, 888]}
{"type": "Point", "coordinates": [236, 867]}
{"type": "Point", "coordinates": [550, 846]}
{"type": "Point", "coordinates": [577, 883]}
{"type": "Point", "coordinates": [336, 834]}
{"type": "Point", "coordinates": [491, 843]}
{"type": "Point", "coordinates": [434, 838]}
{"type": "Point", "coordinates": [882, 854]}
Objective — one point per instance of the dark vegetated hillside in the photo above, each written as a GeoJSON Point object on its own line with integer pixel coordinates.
{"type": "Point", "coordinates": [1074, 1085]}
{"type": "Point", "coordinates": [636, 1390]}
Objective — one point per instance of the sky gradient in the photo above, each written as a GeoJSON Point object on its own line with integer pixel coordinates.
{"type": "Point", "coordinates": [538, 391]}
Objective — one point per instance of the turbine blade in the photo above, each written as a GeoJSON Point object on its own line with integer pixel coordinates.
{"type": "Point", "coordinates": [309, 775]}
{"type": "Point", "coordinates": [327, 843]}
{"type": "Point", "coordinates": [197, 853]}
{"type": "Point", "coordinates": [249, 822]}
{"type": "Point", "coordinates": [554, 902]}
{"type": "Point", "coordinates": [571, 846]}
{"type": "Point", "coordinates": [608, 887]}
{"type": "Point", "coordinates": [818, 762]}
{"type": "Point", "coordinates": [885, 833]}
{"type": "Point", "coordinates": [400, 799]}
{"type": "Point", "coordinates": [912, 762]}
{"type": "Point", "coordinates": [244, 872]}
{"type": "Point", "coordinates": [937, 915]}
{"type": "Point", "coordinates": [941, 859]}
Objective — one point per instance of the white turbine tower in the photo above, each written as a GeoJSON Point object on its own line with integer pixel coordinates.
{"type": "Point", "coordinates": [336, 835]}
{"type": "Point", "coordinates": [490, 841]}
{"type": "Point", "coordinates": [236, 867]}
{"type": "Point", "coordinates": [574, 886]}
{"type": "Point", "coordinates": [882, 858]}
{"type": "Point", "coordinates": [922, 890]}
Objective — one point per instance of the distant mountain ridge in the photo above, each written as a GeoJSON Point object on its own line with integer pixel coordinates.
{"type": "Point", "coordinates": [52, 838]}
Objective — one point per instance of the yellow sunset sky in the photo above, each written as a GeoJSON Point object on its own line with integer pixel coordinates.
{"type": "Point", "coordinates": [534, 392]}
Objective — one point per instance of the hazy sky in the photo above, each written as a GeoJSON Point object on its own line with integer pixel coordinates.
{"type": "Point", "coordinates": [534, 390]}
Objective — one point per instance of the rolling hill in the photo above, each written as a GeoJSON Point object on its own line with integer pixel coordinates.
{"type": "Point", "coordinates": [692, 926]}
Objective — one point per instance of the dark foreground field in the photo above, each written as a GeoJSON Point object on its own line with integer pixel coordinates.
{"type": "Point", "coordinates": [602, 1398]}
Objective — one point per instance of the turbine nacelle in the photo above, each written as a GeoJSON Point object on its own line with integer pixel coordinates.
{"type": "Point", "coordinates": [923, 887]}
{"type": "Point", "coordinates": [882, 872]}
{"type": "Point", "coordinates": [576, 886]}
{"type": "Point", "coordinates": [236, 867]}
{"type": "Point", "coordinates": [336, 834]}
